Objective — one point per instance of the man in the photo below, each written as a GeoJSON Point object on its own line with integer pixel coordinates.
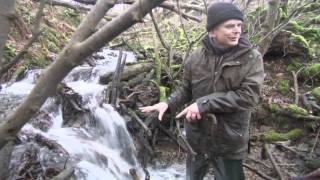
{"type": "Point", "coordinates": [222, 81]}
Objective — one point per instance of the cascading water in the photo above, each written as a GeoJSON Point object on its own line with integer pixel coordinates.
{"type": "Point", "coordinates": [101, 148]}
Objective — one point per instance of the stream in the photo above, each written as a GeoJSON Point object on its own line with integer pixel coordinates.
{"type": "Point", "coordinates": [101, 148]}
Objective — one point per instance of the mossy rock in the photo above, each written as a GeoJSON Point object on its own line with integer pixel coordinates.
{"type": "Point", "coordinates": [296, 110]}
{"type": "Point", "coordinates": [272, 135]}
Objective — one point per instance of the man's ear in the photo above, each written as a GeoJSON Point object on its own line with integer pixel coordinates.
{"type": "Point", "coordinates": [211, 33]}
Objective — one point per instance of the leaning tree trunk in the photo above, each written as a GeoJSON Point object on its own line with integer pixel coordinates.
{"type": "Point", "coordinates": [80, 46]}
{"type": "Point", "coordinates": [6, 13]}
{"type": "Point", "coordinates": [268, 25]}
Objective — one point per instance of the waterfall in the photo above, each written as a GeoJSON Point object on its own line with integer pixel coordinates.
{"type": "Point", "coordinates": [100, 148]}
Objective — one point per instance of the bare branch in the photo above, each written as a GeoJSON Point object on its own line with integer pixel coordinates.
{"type": "Point", "coordinates": [72, 55]}
{"type": "Point", "coordinates": [181, 21]}
{"type": "Point", "coordinates": [164, 44]}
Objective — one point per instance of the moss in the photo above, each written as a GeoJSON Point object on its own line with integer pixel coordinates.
{"type": "Point", "coordinates": [72, 16]}
{"type": "Point", "coordinates": [295, 27]}
{"type": "Point", "coordinates": [312, 71]}
{"type": "Point", "coordinates": [311, 7]}
{"type": "Point", "coordinates": [312, 34]}
{"type": "Point", "coordinates": [295, 65]}
{"type": "Point", "coordinates": [20, 70]}
{"type": "Point", "coordinates": [283, 13]}
{"type": "Point", "coordinates": [162, 93]}
{"type": "Point", "coordinates": [300, 39]}
{"type": "Point", "coordinates": [274, 107]}
{"type": "Point", "coordinates": [272, 135]}
{"type": "Point", "coordinates": [9, 51]}
{"type": "Point", "coordinates": [316, 92]}
{"type": "Point", "coordinates": [39, 61]}
{"type": "Point", "coordinates": [293, 108]}
{"type": "Point", "coordinates": [52, 37]}
{"type": "Point", "coordinates": [283, 86]}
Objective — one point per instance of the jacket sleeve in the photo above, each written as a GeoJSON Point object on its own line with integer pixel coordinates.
{"type": "Point", "coordinates": [245, 97]}
{"type": "Point", "coordinates": [183, 93]}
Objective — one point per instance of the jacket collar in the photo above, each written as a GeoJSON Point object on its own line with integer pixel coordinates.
{"type": "Point", "coordinates": [243, 47]}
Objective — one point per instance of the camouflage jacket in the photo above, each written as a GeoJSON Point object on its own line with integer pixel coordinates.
{"type": "Point", "coordinates": [225, 88]}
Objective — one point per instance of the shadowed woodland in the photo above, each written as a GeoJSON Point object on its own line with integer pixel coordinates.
{"type": "Point", "coordinates": [60, 35]}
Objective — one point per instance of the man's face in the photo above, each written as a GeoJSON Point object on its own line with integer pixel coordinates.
{"type": "Point", "coordinates": [227, 34]}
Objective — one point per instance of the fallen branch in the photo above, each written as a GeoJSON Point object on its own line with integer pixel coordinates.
{"type": "Point", "coordinates": [264, 176]}
{"type": "Point", "coordinates": [315, 143]}
{"type": "Point", "coordinates": [67, 4]}
{"type": "Point", "coordinates": [128, 72]}
{"type": "Point", "coordinates": [137, 119]}
{"type": "Point", "coordinates": [116, 79]}
{"type": "Point", "coordinates": [65, 174]}
{"type": "Point", "coordinates": [274, 164]}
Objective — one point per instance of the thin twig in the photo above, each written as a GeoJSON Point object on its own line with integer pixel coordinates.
{"type": "Point", "coordinates": [274, 164]}
{"type": "Point", "coordinates": [296, 87]}
{"type": "Point", "coordinates": [181, 21]}
{"type": "Point", "coordinates": [258, 161]}
{"type": "Point", "coordinates": [315, 143]}
{"type": "Point", "coordinates": [264, 176]}
{"type": "Point", "coordinates": [164, 44]}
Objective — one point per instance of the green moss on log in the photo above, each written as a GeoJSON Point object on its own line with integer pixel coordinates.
{"type": "Point", "coordinates": [272, 135]}
{"type": "Point", "coordinates": [293, 108]}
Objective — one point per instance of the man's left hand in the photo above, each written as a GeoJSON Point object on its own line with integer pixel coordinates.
{"type": "Point", "coordinates": [191, 112]}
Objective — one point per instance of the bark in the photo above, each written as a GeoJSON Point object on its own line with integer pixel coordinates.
{"type": "Point", "coordinates": [67, 4]}
{"type": "Point", "coordinates": [6, 13]}
{"type": "Point", "coordinates": [65, 174]}
{"type": "Point", "coordinates": [79, 48]}
{"type": "Point", "coordinates": [5, 156]}
{"type": "Point", "coordinates": [268, 25]}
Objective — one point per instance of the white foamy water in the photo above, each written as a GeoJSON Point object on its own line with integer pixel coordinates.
{"type": "Point", "coordinates": [103, 149]}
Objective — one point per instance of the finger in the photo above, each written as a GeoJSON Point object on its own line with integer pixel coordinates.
{"type": "Point", "coordinates": [188, 116]}
{"type": "Point", "coordinates": [182, 113]}
{"type": "Point", "coordinates": [147, 109]}
{"type": "Point", "coordinates": [161, 115]}
{"type": "Point", "coordinates": [193, 116]}
{"type": "Point", "coordinates": [198, 116]}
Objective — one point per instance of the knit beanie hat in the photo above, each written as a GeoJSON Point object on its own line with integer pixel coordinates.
{"type": "Point", "coordinates": [221, 12]}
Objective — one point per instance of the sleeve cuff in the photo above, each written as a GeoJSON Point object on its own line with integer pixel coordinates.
{"type": "Point", "coordinates": [203, 104]}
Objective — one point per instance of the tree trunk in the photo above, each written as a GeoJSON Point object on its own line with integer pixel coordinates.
{"type": "Point", "coordinates": [268, 25]}
{"type": "Point", "coordinates": [79, 47]}
{"type": "Point", "coordinates": [5, 156]}
{"type": "Point", "coordinates": [6, 12]}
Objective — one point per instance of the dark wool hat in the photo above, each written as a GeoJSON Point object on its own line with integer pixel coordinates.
{"type": "Point", "coordinates": [221, 12]}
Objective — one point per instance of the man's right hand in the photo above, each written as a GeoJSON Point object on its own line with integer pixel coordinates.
{"type": "Point", "coordinates": [160, 107]}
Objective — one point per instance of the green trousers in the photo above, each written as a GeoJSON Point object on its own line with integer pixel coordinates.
{"type": "Point", "coordinates": [224, 169]}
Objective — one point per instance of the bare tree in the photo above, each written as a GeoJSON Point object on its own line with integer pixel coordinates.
{"type": "Point", "coordinates": [268, 25]}
{"type": "Point", "coordinates": [82, 44]}
{"type": "Point", "coordinates": [6, 13]}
